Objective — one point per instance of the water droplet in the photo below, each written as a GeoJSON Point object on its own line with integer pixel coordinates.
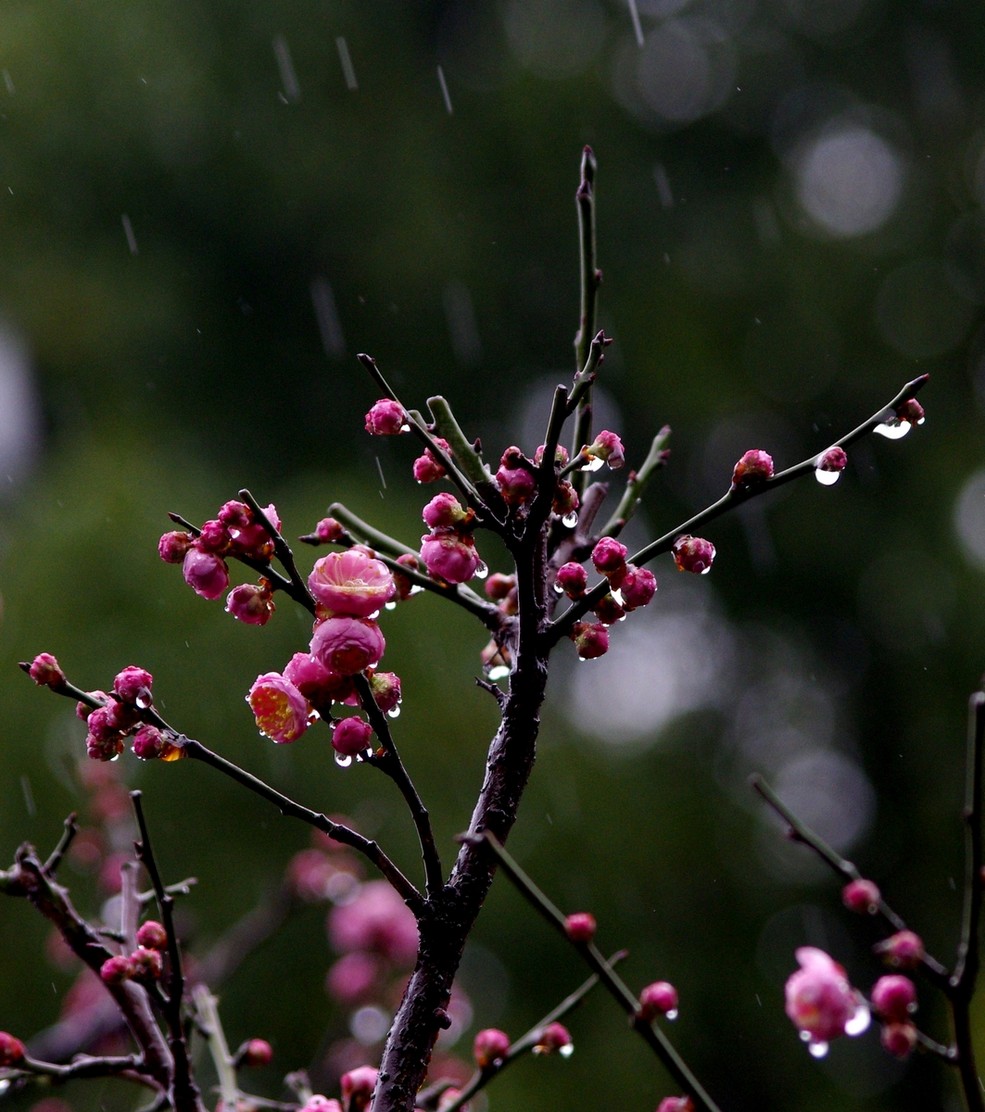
{"type": "Point", "coordinates": [343, 760]}
{"type": "Point", "coordinates": [390, 605]}
{"type": "Point", "coordinates": [558, 589]}
{"type": "Point", "coordinates": [859, 1022]}
{"type": "Point", "coordinates": [393, 712]}
{"type": "Point", "coordinates": [617, 595]}
{"type": "Point", "coordinates": [817, 1049]}
{"type": "Point", "coordinates": [481, 571]}
{"type": "Point", "coordinates": [893, 430]}
{"type": "Point", "coordinates": [826, 478]}
{"type": "Point", "coordinates": [672, 1014]}
{"type": "Point", "coordinates": [143, 701]}
{"type": "Point", "coordinates": [416, 589]}
{"type": "Point", "coordinates": [497, 672]}
{"type": "Point", "coordinates": [570, 520]}
{"type": "Point", "coordinates": [592, 464]}
{"type": "Point", "coordinates": [567, 1050]}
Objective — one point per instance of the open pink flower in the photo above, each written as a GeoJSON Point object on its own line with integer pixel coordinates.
{"type": "Point", "coordinates": [351, 582]}
{"type": "Point", "coordinates": [281, 711]}
{"type": "Point", "coordinates": [347, 645]}
{"type": "Point", "coordinates": [819, 1000]}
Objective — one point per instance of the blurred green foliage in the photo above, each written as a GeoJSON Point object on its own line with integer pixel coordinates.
{"type": "Point", "coordinates": [206, 215]}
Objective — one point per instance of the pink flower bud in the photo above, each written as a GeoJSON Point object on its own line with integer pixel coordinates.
{"type": "Point", "coordinates": [347, 645]}
{"type": "Point", "coordinates": [427, 468]}
{"type": "Point", "coordinates": [554, 1037]}
{"type": "Point", "coordinates": [376, 921]}
{"type": "Point", "coordinates": [560, 455]}
{"type": "Point", "coordinates": [352, 583]}
{"type": "Point", "coordinates": [255, 1052]}
{"type": "Point", "coordinates": [351, 736]}
{"type": "Point", "coordinates": [903, 950]}
{"type": "Point", "coordinates": [235, 514]}
{"type": "Point", "coordinates": [608, 447]}
{"type": "Point", "coordinates": [898, 1039]}
{"type": "Point", "coordinates": [146, 964]}
{"type": "Point", "coordinates": [206, 573]}
{"type": "Point", "coordinates": [755, 467]}
{"type": "Point", "coordinates": [149, 744]}
{"type": "Point", "coordinates": [500, 586]}
{"type": "Point", "coordinates": [83, 710]}
{"type": "Point", "coordinates": [116, 970]}
{"type": "Point", "coordinates": [693, 554]}
{"type": "Point", "coordinates": [608, 611]}
{"type": "Point", "coordinates": [450, 555]}
{"type": "Point", "coordinates": [357, 1088]}
{"type": "Point", "coordinates": [252, 538]}
{"type": "Point", "coordinates": [328, 530]}
{"type": "Point", "coordinates": [676, 1104]}
{"type": "Point", "coordinates": [565, 500]}
{"type": "Point", "coordinates": [517, 483]}
{"type": "Point", "coordinates": [46, 671]}
{"type": "Point", "coordinates": [213, 537]}
{"type": "Point", "coordinates": [11, 1050]}
{"type": "Point", "coordinates": [489, 1047]}
{"type": "Point", "coordinates": [861, 896]}
{"type": "Point", "coordinates": [281, 711]}
{"type": "Point", "coordinates": [894, 997]}
{"type": "Point", "coordinates": [386, 418]}
{"type": "Point", "coordinates": [386, 689]}
{"type": "Point", "coordinates": [657, 999]}
{"type": "Point", "coordinates": [444, 511]}
{"type": "Point", "coordinates": [591, 639]}
{"type": "Point", "coordinates": [250, 603]}
{"type": "Point", "coordinates": [173, 546]}
{"type": "Point", "coordinates": [354, 978]}
{"type": "Point", "coordinates": [911, 411]}
{"type": "Point", "coordinates": [152, 935]}
{"type": "Point", "coordinates": [572, 579]}
{"type": "Point", "coordinates": [319, 1103]}
{"type": "Point", "coordinates": [833, 459]}
{"type": "Point", "coordinates": [579, 926]}
{"type": "Point", "coordinates": [609, 557]}
{"type": "Point", "coordinates": [637, 587]}
{"type": "Point", "coordinates": [104, 748]}
{"type": "Point", "coordinates": [133, 685]}
{"type": "Point", "coordinates": [819, 999]}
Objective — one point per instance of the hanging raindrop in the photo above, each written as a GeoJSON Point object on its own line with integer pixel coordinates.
{"type": "Point", "coordinates": [570, 520]}
{"type": "Point", "coordinates": [893, 430]}
{"type": "Point", "coordinates": [826, 478]}
{"type": "Point", "coordinates": [343, 760]}
{"type": "Point", "coordinates": [817, 1049]}
{"type": "Point", "coordinates": [592, 464]}
{"type": "Point", "coordinates": [481, 571]}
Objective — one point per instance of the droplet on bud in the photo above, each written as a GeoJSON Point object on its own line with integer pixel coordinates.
{"type": "Point", "coordinates": [593, 464]}
{"type": "Point", "coordinates": [826, 478]}
{"type": "Point", "coordinates": [817, 1049]}
{"type": "Point", "coordinates": [893, 430]}
{"type": "Point", "coordinates": [570, 520]}
{"type": "Point", "coordinates": [481, 571]}
{"type": "Point", "coordinates": [343, 760]}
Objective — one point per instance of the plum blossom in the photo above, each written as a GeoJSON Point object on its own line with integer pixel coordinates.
{"type": "Point", "coordinates": [206, 573]}
{"type": "Point", "coordinates": [819, 1000]}
{"type": "Point", "coordinates": [754, 468]}
{"type": "Point", "coordinates": [347, 645]}
{"type": "Point", "coordinates": [386, 418]}
{"type": "Point", "coordinates": [351, 582]}
{"type": "Point", "coordinates": [450, 555]}
{"type": "Point", "coordinates": [281, 711]}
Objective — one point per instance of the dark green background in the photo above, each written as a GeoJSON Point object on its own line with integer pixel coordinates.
{"type": "Point", "coordinates": [838, 625]}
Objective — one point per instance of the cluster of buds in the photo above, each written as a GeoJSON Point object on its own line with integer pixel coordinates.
{"type": "Point", "coordinates": [234, 532]}
{"type": "Point", "coordinates": [144, 964]}
{"type": "Point", "coordinates": [448, 551]}
{"type": "Point", "coordinates": [349, 589]}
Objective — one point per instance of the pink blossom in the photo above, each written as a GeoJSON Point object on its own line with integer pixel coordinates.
{"type": "Point", "coordinates": [152, 935]}
{"type": "Point", "coordinates": [693, 554]}
{"type": "Point", "coordinates": [351, 736]}
{"type": "Point", "coordinates": [657, 999]}
{"type": "Point", "coordinates": [911, 411]}
{"type": "Point", "coordinates": [255, 1052]}
{"type": "Point", "coordinates": [580, 926]}
{"type": "Point", "coordinates": [46, 671]}
{"type": "Point", "coordinates": [894, 997]}
{"type": "Point", "coordinates": [609, 556]}
{"type": "Point", "coordinates": [377, 921]}
{"type": "Point", "coordinates": [173, 546]}
{"type": "Point", "coordinates": [591, 639]}
{"type": "Point", "coordinates": [608, 611]}
{"type": "Point", "coordinates": [133, 685]}
{"type": "Point", "coordinates": [516, 482]}
{"type": "Point", "coordinates": [352, 583]}
{"type": "Point", "coordinates": [329, 530]}
{"type": "Point", "coordinates": [149, 744]}
{"type": "Point", "coordinates": [903, 950]}
{"type": "Point", "coordinates": [444, 511]}
{"type": "Point", "coordinates": [235, 515]}
{"type": "Point", "coordinates": [347, 645]}
{"type": "Point", "coordinates": [213, 537]}
{"type": "Point", "coordinates": [572, 579]}
{"type": "Point", "coordinates": [754, 468]}
{"type": "Point", "coordinates": [450, 555]}
{"type": "Point", "coordinates": [819, 999]}
{"type": "Point", "coordinates": [637, 587]}
{"type": "Point", "coordinates": [357, 1088]}
{"type": "Point", "coordinates": [206, 573]}
{"type": "Point", "coordinates": [428, 468]}
{"type": "Point", "coordinates": [833, 459]}
{"type": "Point", "coordinates": [555, 1036]}
{"type": "Point", "coordinates": [281, 711]}
{"type": "Point", "coordinates": [490, 1045]}
{"type": "Point", "coordinates": [608, 447]}
{"type": "Point", "coordinates": [386, 418]}
{"type": "Point", "coordinates": [319, 1103]}
{"type": "Point", "coordinates": [676, 1104]}
{"type": "Point", "coordinates": [251, 603]}
{"type": "Point", "coordinates": [315, 682]}
{"type": "Point", "coordinates": [386, 689]}
{"type": "Point", "coordinates": [253, 539]}
{"type": "Point", "coordinates": [354, 977]}
{"type": "Point", "coordinates": [861, 896]}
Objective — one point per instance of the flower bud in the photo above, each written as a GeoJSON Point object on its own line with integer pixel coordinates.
{"type": "Point", "coordinates": [657, 999]}
{"type": "Point", "coordinates": [353, 583]}
{"type": "Point", "coordinates": [351, 736]}
{"type": "Point", "coordinates": [427, 468]}
{"type": "Point", "coordinates": [489, 1047]}
{"type": "Point", "coordinates": [45, 670]}
{"type": "Point", "coordinates": [819, 999]}
{"type": "Point", "coordinates": [637, 587]}
{"type": "Point", "coordinates": [444, 511]}
{"type": "Point", "coordinates": [833, 459]}
{"type": "Point", "coordinates": [347, 645]}
{"type": "Point", "coordinates": [133, 685]}
{"type": "Point", "coordinates": [898, 1039]}
{"type": "Point", "coordinates": [911, 411]}
{"type": "Point", "coordinates": [173, 546]}
{"type": "Point", "coordinates": [116, 970]}
{"type": "Point", "coordinates": [499, 586]}
{"type": "Point", "coordinates": [693, 554]}
{"type": "Point", "coordinates": [235, 515]}
{"type": "Point", "coordinates": [386, 418]}
{"type": "Point", "coordinates": [255, 1052]}
{"type": "Point", "coordinates": [386, 689]}
{"type": "Point", "coordinates": [572, 579]}
{"type": "Point", "coordinates": [676, 1104]}
{"type": "Point", "coordinates": [357, 1088]}
{"type": "Point", "coordinates": [328, 530]}
{"type": "Point", "coordinates": [591, 639]}
{"type": "Point", "coordinates": [206, 573]}
{"type": "Point", "coordinates": [250, 603]}
{"type": "Point", "coordinates": [861, 896]}
{"type": "Point", "coordinates": [580, 926]}
{"type": "Point", "coordinates": [450, 555]}
{"type": "Point", "coordinates": [753, 469]}
{"type": "Point", "coordinates": [319, 1103]}
{"type": "Point", "coordinates": [608, 611]}
{"type": "Point", "coordinates": [146, 965]}
{"type": "Point", "coordinates": [609, 557]}
{"type": "Point", "coordinates": [152, 935]}
{"type": "Point", "coordinates": [149, 744]}
{"type": "Point", "coordinates": [517, 483]}
{"type": "Point", "coordinates": [903, 950]}
{"type": "Point", "coordinates": [11, 1050]}
{"type": "Point", "coordinates": [554, 1037]}
{"type": "Point", "coordinates": [607, 447]}
{"type": "Point", "coordinates": [894, 998]}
